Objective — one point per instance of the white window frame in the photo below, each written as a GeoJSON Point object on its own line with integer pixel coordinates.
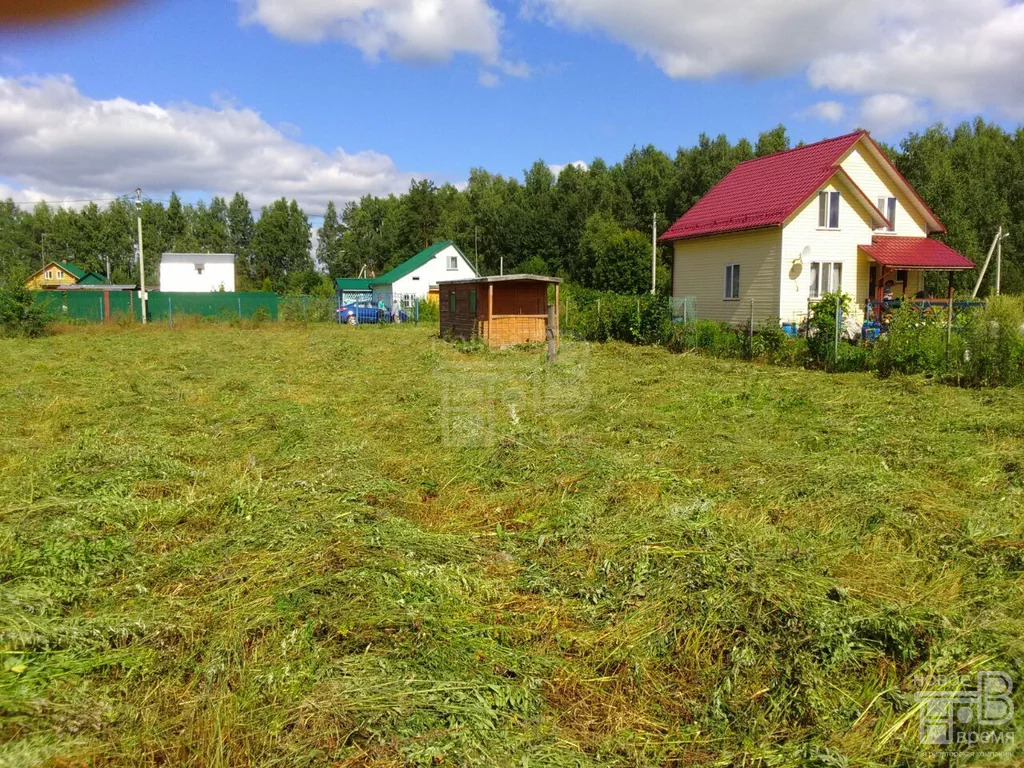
{"type": "Point", "coordinates": [453, 262]}
{"type": "Point", "coordinates": [60, 274]}
{"type": "Point", "coordinates": [48, 274]}
{"type": "Point", "coordinates": [828, 209]}
{"type": "Point", "coordinates": [833, 272]}
{"type": "Point", "coordinates": [731, 286]}
{"type": "Point", "coordinates": [887, 205]}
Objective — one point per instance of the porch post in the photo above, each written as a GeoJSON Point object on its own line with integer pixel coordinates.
{"type": "Point", "coordinates": [490, 310]}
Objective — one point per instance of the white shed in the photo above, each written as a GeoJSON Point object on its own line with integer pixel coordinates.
{"type": "Point", "coordinates": [197, 272]}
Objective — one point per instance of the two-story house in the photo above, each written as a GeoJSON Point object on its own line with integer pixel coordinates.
{"type": "Point", "coordinates": [782, 230]}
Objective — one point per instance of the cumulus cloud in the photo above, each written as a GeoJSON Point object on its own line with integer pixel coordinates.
{"type": "Point", "coordinates": [407, 30]}
{"type": "Point", "coordinates": [887, 113]}
{"type": "Point", "coordinates": [947, 55]}
{"type": "Point", "coordinates": [829, 111]}
{"type": "Point", "coordinates": [59, 144]}
{"type": "Point", "coordinates": [557, 169]}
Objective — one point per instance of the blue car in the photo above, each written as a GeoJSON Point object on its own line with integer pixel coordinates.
{"type": "Point", "coordinates": [363, 312]}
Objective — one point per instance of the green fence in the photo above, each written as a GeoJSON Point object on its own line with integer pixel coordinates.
{"type": "Point", "coordinates": [90, 306]}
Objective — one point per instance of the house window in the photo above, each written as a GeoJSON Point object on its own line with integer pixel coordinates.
{"type": "Point", "coordinates": [472, 303]}
{"type": "Point", "coordinates": [732, 281]}
{"type": "Point", "coordinates": [828, 210]}
{"type": "Point", "coordinates": [826, 277]}
{"type": "Point", "coordinates": [60, 274]}
{"type": "Point", "coordinates": [48, 274]}
{"type": "Point", "coordinates": [453, 263]}
{"type": "Point", "coordinates": [451, 301]}
{"type": "Point", "coordinates": [887, 205]}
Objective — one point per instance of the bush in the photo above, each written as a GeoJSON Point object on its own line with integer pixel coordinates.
{"type": "Point", "coordinates": [915, 341]}
{"type": "Point", "coordinates": [712, 338]}
{"type": "Point", "coordinates": [995, 343]}
{"type": "Point", "coordinates": [430, 312]}
{"type": "Point", "coordinates": [769, 341]}
{"type": "Point", "coordinates": [821, 327]}
{"type": "Point", "coordinates": [19, 315]}
{"type": "Point", "coordinates": [601, 315]}
{"type": "Point", "coordinates": [308, 309]}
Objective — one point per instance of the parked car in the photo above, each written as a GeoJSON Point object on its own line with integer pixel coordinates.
{"type": "Point", "coordinates": [367, 312]}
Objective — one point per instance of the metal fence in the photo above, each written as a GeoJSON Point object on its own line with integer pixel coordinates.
{"type": "Point", "coordinates": [102, 306]}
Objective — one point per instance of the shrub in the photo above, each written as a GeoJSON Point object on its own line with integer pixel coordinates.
{"type": "Point", "coordinates": [430, 312]}
{"type": "Point", "coordinates": [19, 315]}
{"type": "Point", "coordinates": [821, 330]}
{"type": "Point", "coordinates": [915, 341]}
{"type": "Point", "coordinates": [769, 340]}
{"type": "Point", "coordinates": [995, 343]}
{"type": "Point", "coordinates": [712, 338]}
{"type": "Point", "coordinates": [600, 316]}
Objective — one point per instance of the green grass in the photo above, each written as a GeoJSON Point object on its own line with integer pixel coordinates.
{"type": "Point", "coordinates": [288, 546]}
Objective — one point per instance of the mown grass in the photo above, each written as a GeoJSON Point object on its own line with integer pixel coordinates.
{"type": "Point", "coordinates": [334, 546]}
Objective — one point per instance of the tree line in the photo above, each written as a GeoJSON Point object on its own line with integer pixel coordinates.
{"type": "Point", "coordinates": [590, 224]}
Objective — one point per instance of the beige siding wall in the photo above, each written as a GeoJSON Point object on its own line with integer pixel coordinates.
{"type": "Point", "coordinates": [823, 245]}
{"type": "Point", "coordinates": [699, 271]}
{"type": "Point", "coordinates": [874, 180]}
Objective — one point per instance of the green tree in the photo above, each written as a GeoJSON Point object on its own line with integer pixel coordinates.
{"type": "Point", "coordinates": [241, 230]}
{"type": "Point", "coordinates": [329, 248]}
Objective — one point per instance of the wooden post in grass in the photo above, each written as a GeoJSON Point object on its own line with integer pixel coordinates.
{"type": "Point", "coordinates": [750, 329]}
{"type": "Point", "coordinates": [949, 315]}
{"type": "Point", "coordinates": [549, 332]}
{"type": "Point", "coordinates": [106, 306]}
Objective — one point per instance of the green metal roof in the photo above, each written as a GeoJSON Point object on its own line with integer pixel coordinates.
{"type": "Point", "coordinates": [92, 278]}
{"type": "Point", "coordinates": [352, 284]}
{"type": "Point", "coordinates": [415, 262]}
{"type": "Point", "coordinates": [71, 269]}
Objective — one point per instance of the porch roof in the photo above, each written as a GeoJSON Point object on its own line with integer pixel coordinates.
{"type": "Point", "coordinates": [915, 253]}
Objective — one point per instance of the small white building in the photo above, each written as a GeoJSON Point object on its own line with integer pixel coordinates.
{"type": "Point", "coordinates": [411, 280]}
{"type": "Point", "coordinates": [197, 272]}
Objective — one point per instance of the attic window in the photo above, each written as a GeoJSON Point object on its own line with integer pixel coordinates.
{"type": "Point", "coordinates": [48, 274]}
{"type": "Point", "coordinates": [199, 268]}
{"type": "Point", "coordinates": [887, 205]}
{"type": "Point", "coordinates": [453, 263]}
{"type": "Point", "coordinates": [60, 274]}
{"type": "Point", "coordinates": [415, 278]}
{"type": "Point", "coordinates": [828, 210]}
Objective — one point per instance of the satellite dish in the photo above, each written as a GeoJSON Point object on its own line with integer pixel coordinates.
{"type": "Point", "coordinates": [803, 255]}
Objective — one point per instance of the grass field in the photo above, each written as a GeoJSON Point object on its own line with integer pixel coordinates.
{"type": "Point", "coordinates": [288, 546]}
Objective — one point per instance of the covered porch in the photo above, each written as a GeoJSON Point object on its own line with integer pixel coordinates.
{"type": "Point", "coordinates": [896, 269]}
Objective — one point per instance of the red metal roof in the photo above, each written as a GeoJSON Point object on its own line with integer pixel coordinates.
{"type": "Point", "coordinates": [765, 191]}
{"type": "Point", "coordinates": [914, 253]}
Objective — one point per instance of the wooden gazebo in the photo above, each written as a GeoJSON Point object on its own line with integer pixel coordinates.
{"type": "Point", "coordinates": [501, 309]}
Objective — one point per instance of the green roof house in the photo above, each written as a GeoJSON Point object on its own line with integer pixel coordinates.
{"type": "Point", "coordinates": [411, 280]}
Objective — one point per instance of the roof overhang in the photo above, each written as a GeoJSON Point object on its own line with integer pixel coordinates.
{"type": "Point", "coordinates": [502, 279]}
{"type": "Point", "coordinates": [915, 253]}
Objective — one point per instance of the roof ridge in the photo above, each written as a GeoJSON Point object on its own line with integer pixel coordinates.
{"type": "Point", "coordinates": [858, 133]}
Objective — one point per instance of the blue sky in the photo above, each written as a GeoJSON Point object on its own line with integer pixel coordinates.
{"type": "Point", "coordinates": [446, 85]}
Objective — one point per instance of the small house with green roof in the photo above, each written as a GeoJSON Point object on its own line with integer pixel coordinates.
{"type": "Point", "coordinates": [411, 280]}
{"type": "Point", "coordinates": [61, 274]}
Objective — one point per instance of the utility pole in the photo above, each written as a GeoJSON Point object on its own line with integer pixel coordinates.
{"type": "Point", "coordinates": [476, 246]}
{"type": "Point", "coordinates": [654, 252]}
{"type": "Point", "coordinates": [999, 265]}
{"type": "Point", "coordinates": [501, 266]}
{"type": "Point", "coordinates": [142, 264]}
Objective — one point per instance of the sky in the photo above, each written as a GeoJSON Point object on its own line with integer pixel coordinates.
{"type": "Point", "coordinates": [323, 100]}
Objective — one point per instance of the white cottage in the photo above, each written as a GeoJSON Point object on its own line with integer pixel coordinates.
{"type": "Point", "coordinates": [782, 230]}
{"type": "Point", "coordinates": [411, 280]}
{"type": "Point", "coordinates": [197, 272]}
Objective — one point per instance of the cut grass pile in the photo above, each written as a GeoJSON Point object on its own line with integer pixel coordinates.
{"type": "Point", "coordinates": [308, 546]}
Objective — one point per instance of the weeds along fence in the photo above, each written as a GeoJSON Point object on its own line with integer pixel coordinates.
{"type": "Point", "coordinates": [106, 306]}
{"type": "Point", "coordinates": [977, 344]}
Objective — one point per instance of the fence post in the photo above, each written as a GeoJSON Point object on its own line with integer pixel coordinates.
{"type": "Point", "coordinates": [839, 316]}
{"type": "Point", "coordinates": [102, 318]}
{"type": "Point", "coordinates": [549, 332]}
{"type": "Point", "coordinates": [170, 313]}
{"type": "Point", "coordinates": [239, 307]}
{"type": "Point", "coordinates": [750, 329]}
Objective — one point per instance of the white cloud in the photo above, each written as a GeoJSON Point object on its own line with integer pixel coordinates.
{"type": "Point", "coordinates": [887, 113]}
{"type": "Point", "coordinates": [557, 169]}
{"type": "Point", "coordinates": [407, 30]}
{"type": "Point", "coordinates": [829, 111]}
{"type": "Point", "coordinates": [59, 144]}
{"type": "Point", "coordinates": [488, 79]}
{"type": "Point", "coordinates": [947, 55]}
